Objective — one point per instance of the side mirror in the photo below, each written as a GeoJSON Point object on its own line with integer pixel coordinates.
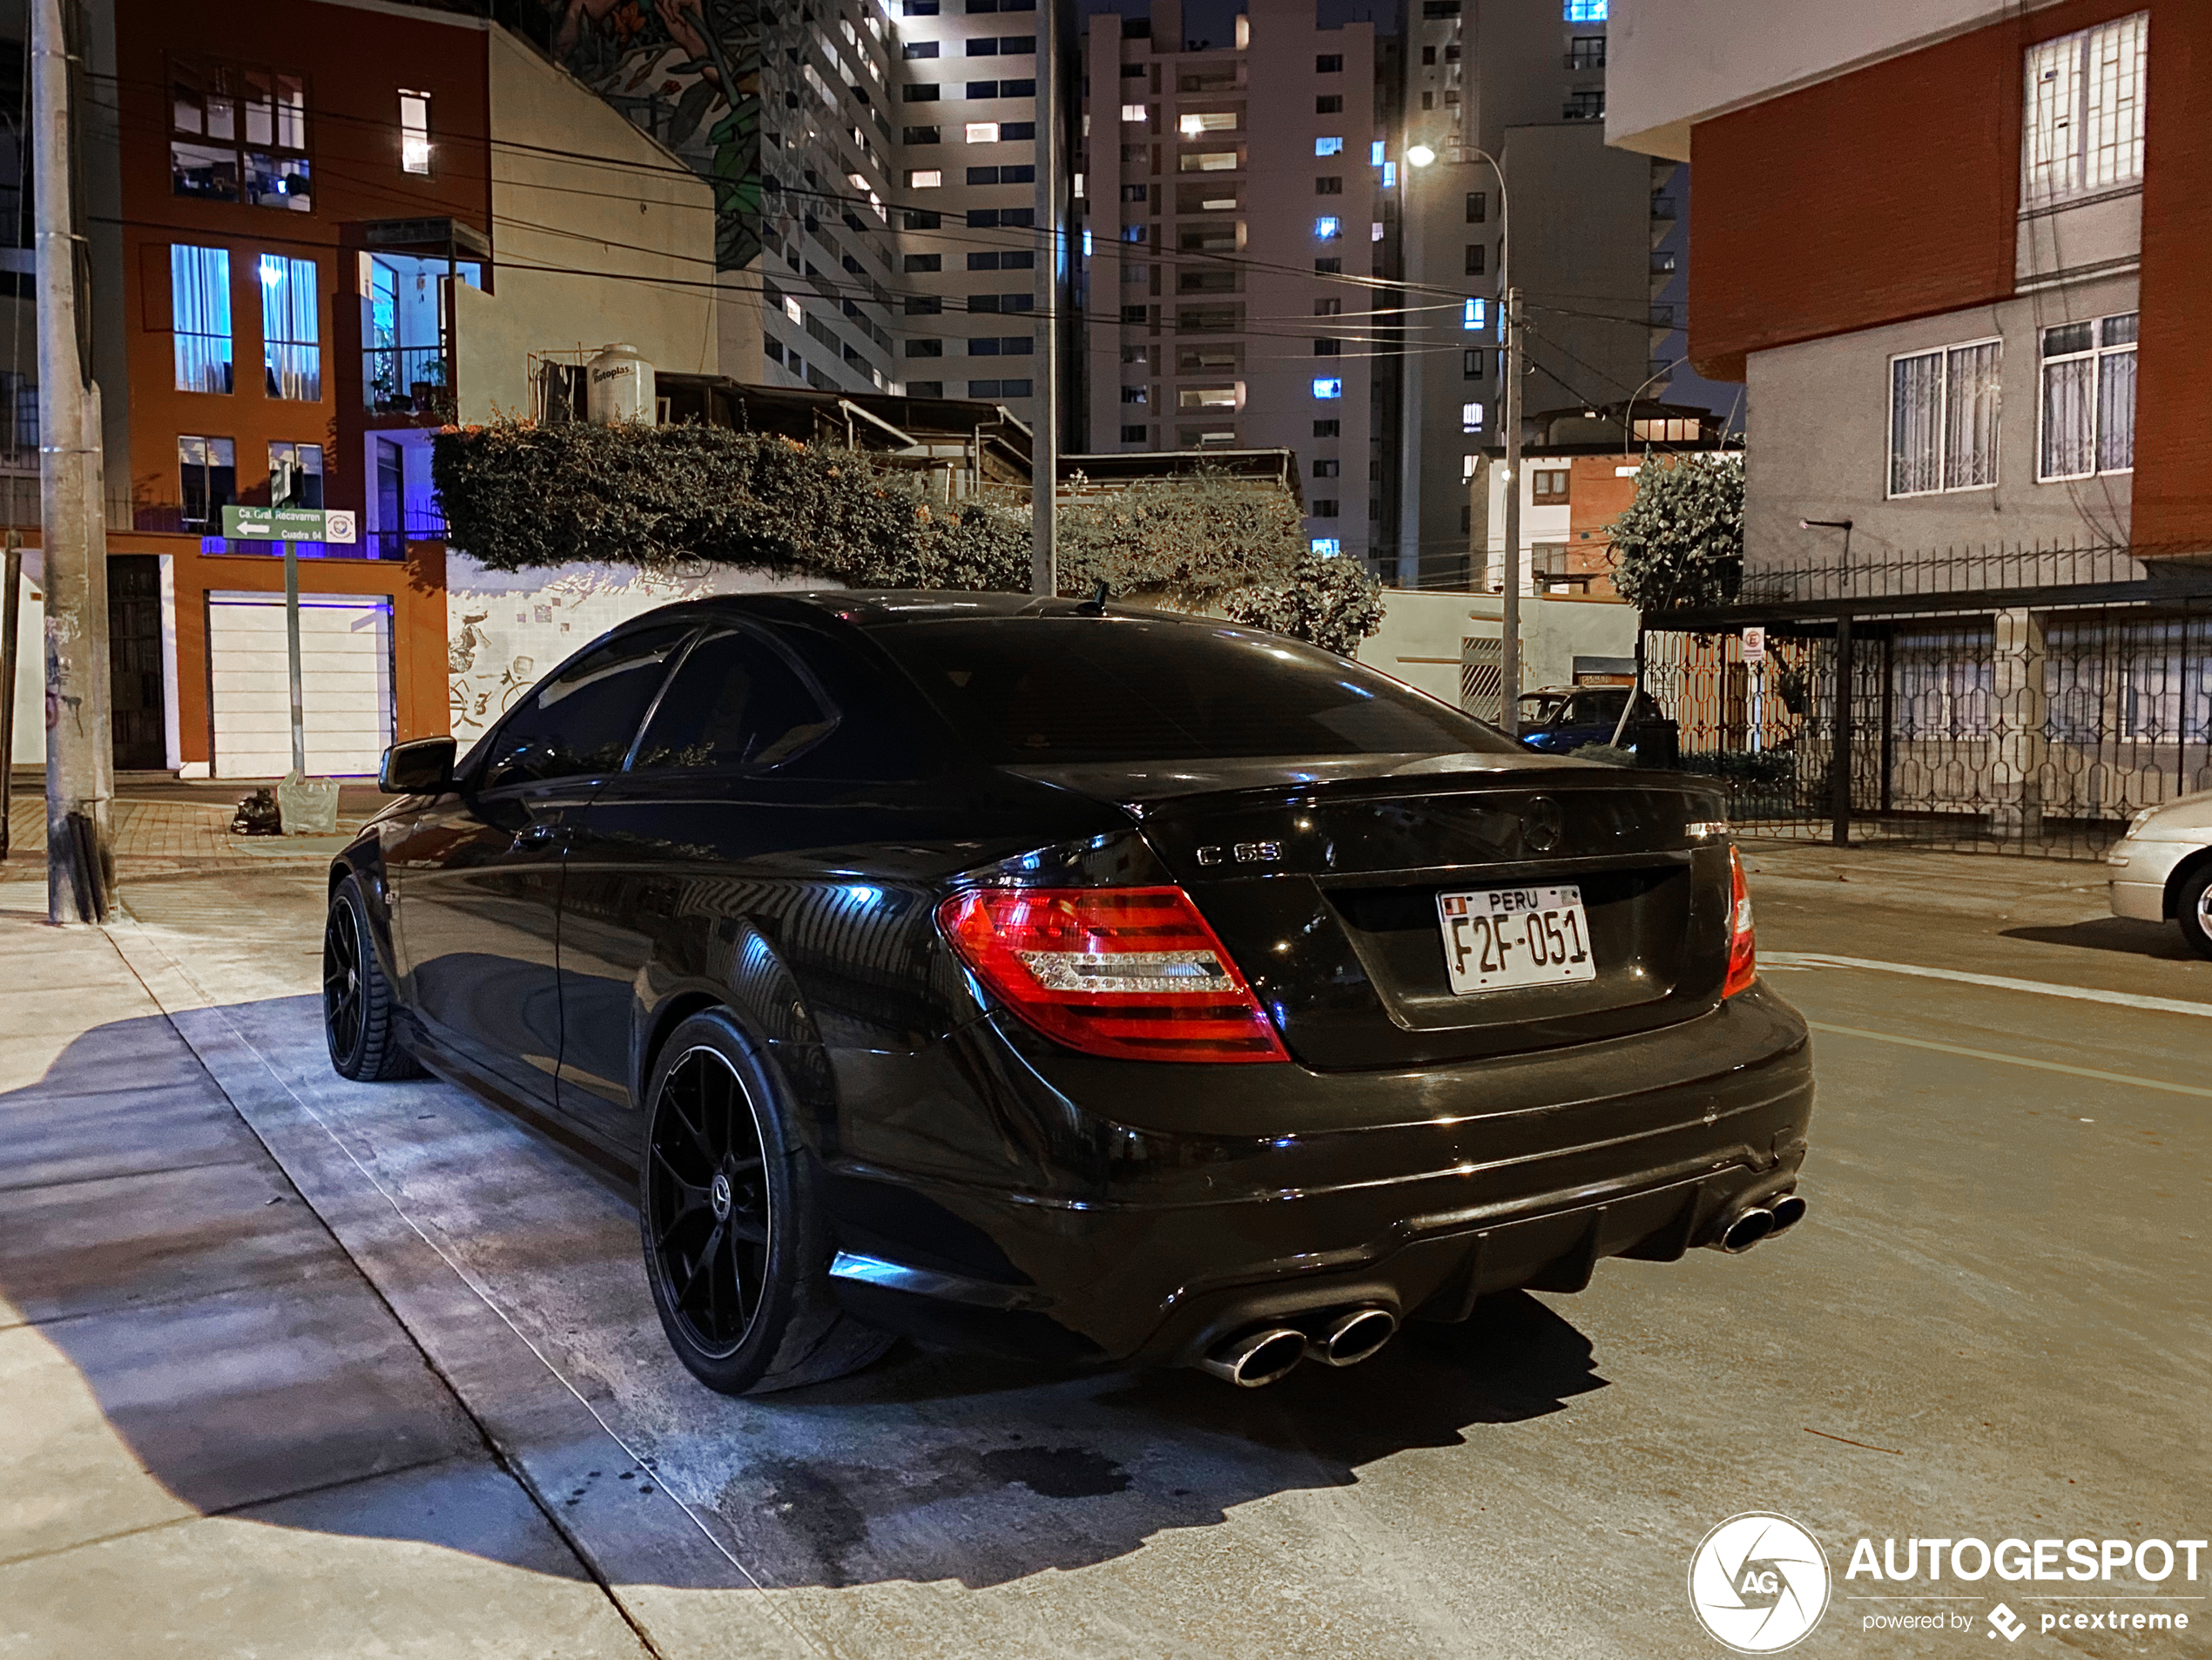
{"type": "Point", "coordinates": [421, 768]}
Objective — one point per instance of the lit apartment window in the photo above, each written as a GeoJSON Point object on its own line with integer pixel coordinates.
{"type": "Point", "coordinates": [2084, 130]}
{"type": "Point", "coordinates": [793, 310]}
{"type": "Point", "coordinates": [239, 134]}
{"type": "Point", "coordinates": [1133, 113]}
{"type": "Point", "coordinates": [983, 132]}
{"type": "Point", "coordinates": [199, 312]}
{"type": "Point", "coordinates": [1474, 314]}
{"type": "Point", "coordinates": [2088, 413]}
{"type": "Point", "coordinates": [1327, 389]}
{"type": "Point", "coordinates": [1470, 417]}
{"type": "Point", "coordinates": [1328, 146]}
{"type": "Point", "coordinates": [1943, 419]}
{"type": "Point", "coordinates": [1326, 544]}
{"type": "Point", "coordinates": [415, 133]}
{"type": "Point", "coordinates": [291, 330]}
{"type": "Point", "coordinates": [1209, 121]}
{"type": "Point", "coordinates": [1375, 152]}
{"type": "Point", "coordinates": [1585, 10]}
{"type": "Point", "coordinates": [1207, 397]}
{"type": "Point", "coordinates": [1328, 226]}
{"type": "Point", "coordinates": [295, 475]}
{"type": "Point", "coordinates": [207, 479]}
{"type": "Point", "coordinates": [1468, 465]}
{"type": "Point", "coordinates": [924, 178]}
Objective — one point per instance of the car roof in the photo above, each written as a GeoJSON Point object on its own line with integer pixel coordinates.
{"type": "Point", "coordinates": [870, 608]}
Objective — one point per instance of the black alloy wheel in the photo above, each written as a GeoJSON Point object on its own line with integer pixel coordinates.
{"type": "Point", "coordinates": [707, 1189]}
{"type": "Point", "coordinates": [357, 1000]}
{"type": "Point", "coordinates": [2195, 912]}
{"type": "Point", "coordinates": [737, 1249]}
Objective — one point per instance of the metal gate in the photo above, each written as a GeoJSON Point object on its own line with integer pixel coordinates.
{"type": "Point", "coordinates": [2037, 727]}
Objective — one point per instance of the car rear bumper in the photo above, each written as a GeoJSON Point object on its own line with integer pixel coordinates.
{"type": "Point", "coordinates": [1423, 1191]}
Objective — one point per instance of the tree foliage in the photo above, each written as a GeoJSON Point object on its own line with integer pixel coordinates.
{"type": "Point", "coordinates": [1680, 545]}
{"type": "Point", "coordinates": [518, 496]}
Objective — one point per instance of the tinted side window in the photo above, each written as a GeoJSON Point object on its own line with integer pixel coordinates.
{"type": "Point", "coordinates": [734, 703]}
{"type": "Point", "coordinates": [582, 720]}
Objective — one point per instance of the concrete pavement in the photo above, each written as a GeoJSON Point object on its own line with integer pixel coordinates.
{"type": "Point", "coordinates": [1992, 1325]}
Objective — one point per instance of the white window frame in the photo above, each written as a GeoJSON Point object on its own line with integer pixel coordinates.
{"type": "Point", "coordinates": [2095, 353]}
{"type": "Point", "coordinates": [1942, 420]}
{"type": "Point", "coordinates": [415, 133]}
{"type": "Point", "coordinates": [2081, 128]}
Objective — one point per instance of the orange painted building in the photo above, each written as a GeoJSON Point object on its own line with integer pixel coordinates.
{"type": "Point", "coordinates": [263, 149]}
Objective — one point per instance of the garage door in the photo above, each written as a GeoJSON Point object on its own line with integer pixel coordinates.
{"type": "Point", "coordinates": [345, 682]}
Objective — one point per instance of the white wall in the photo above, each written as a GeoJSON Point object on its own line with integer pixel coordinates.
{"type": "Point", "coordinates": [627, 248]}
{"type": "Point", "coordinates": [505, 631]}
{"type": "Point", "coordinates": [1419, 641]}
{"type": "Point", "coordinates": [1671, 62]}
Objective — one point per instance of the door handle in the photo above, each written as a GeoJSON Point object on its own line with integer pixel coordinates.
{"type": "Point", "coordinates": [537, 835]}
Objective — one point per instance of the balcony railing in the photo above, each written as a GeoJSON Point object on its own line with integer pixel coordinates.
{"type": "Point", "coordinates": [407, 380]}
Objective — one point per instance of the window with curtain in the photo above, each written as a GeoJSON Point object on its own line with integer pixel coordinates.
{"type": "Point", "coordinates": [1944, 409]}
{"type": "Point", "coordinates": [199, 312]}
{"type": "Point", "coordinates": [295, 475]}
{"type": "Point", "coordinates": [2088, 413]}
{"type": "Point", "coordinates": [291, 333]}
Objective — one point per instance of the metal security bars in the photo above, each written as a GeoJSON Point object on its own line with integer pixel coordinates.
{"type": "Point", "coordinates": [1896, 704]}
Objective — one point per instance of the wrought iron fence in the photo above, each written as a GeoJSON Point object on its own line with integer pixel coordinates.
{"type": "Point", "coordinates": [2029, 716]}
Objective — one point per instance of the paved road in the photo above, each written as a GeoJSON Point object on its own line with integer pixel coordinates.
{"type": "Point", "coordinates": [1992, 1325]}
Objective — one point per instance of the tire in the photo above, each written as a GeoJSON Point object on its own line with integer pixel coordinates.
{"type": "Point", "coordinates": [358, 1004]}
{"type": "Point", "coordinates": [730, 1217]}
{"type": "Point", "coordinates": [2193, 910]}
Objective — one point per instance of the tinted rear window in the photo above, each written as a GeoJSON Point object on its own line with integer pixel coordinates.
{"type": "Point", "coordinates": [1071, 690]}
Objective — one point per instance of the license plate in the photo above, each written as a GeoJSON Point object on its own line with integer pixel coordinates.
{"type": "Point", "coordinates": [1498, 938]}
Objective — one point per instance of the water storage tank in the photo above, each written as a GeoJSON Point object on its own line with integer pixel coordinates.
{"type": "Point", "coordinates": [618, 386]}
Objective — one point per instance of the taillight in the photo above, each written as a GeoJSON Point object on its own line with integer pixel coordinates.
{"type": "Point", "coordinates": [1133, 973]}
{"type": "Point", "coordinates": [1743, 959]}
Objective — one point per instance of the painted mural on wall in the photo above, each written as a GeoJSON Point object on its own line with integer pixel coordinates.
{"type": "Point", "coordinates": [688, 71]}
{"type": "Point", "coordinates": [505, 633]}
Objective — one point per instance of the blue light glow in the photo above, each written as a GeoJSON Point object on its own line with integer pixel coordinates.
{"type": "Point", "coordinates": [1326, 544]}
{"type": "Point", "coordinates": [1474, 314]}
{"type": "Point", "coordinates": [1328, 146]}
{"type": "Point", "coordinates": [1328, 225]}
{"type": "Point", "coordinates": [1327, 389]}
{"type": "Point", "coordinates": [1375, 152]}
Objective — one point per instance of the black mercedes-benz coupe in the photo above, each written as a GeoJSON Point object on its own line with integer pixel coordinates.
{"type": "Point", "coordinates": [1071, 982]}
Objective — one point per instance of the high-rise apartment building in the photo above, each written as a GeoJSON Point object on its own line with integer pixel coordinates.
{"type": "Point", "coordinates": [1234, 235]}
{"type": "Point", "coordinates": [1521, 82]}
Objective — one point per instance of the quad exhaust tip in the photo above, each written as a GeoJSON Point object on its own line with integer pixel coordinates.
{"type": "Point", "coordinates": [1350, 1336]}
{"type": "Point", "coordinates": [1255, 1358]}
{"type": "Point", "coordinates": [1747, 1227]}
{"type": "Point", "coordinates": [1267, 1353]}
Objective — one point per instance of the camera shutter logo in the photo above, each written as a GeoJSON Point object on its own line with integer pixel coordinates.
{"type": "Point", "coordinates": [1759, 1583]}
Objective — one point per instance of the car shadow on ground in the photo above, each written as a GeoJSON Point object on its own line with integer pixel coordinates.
{"type": "Point", "coordinates": [2158, 941]}
{"type": "Point", "coordinates": [234, 1349]}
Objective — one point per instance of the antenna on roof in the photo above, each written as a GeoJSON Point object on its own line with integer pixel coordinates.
{"type": "Point", "coordinates": [1096, 605]}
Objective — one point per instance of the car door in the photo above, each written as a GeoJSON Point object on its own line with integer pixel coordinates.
{"type": "Point", "coordinates": [700, 804]}
{"type": "Point", "coordinates": [477, 879]}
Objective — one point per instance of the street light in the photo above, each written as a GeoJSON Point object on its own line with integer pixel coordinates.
{"type": "Point", "coordinates": [1421, 155]}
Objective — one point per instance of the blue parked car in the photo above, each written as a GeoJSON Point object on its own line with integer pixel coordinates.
{"type": "Point", "coordinates": [1560, 719]}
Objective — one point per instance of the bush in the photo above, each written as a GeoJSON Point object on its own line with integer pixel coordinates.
{"type": "Point", "coordinates": [1767, 771]}
{"type": "Point", "coordinates": [517, 497]}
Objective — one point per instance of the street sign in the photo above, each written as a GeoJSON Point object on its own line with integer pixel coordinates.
{"type": "Point", "coordinates": [1754, 646]}
{"type": "Point", "coordinates": [291, 524]}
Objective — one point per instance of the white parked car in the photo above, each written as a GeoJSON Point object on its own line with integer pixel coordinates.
{"type": "Point", "coordinates": [2162, 869]}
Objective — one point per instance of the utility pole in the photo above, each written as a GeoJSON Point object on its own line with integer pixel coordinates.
{"type": "Point", "coordinates": [80, 759]}
{"type": "Point", "coordinates": [1510, 647]}
{"type": "Point", "coordinates": [1044, 442]}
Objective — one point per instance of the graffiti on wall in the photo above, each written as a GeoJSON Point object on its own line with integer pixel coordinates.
{"type": "Point", "coordinates": [687, 71]}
